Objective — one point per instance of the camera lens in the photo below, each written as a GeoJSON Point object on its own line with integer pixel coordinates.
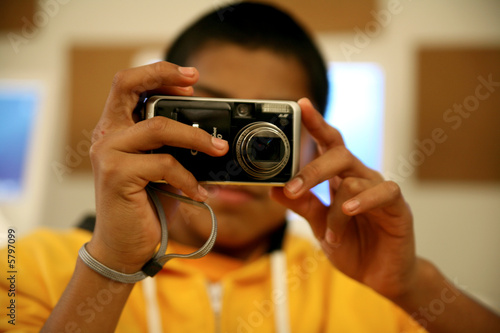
{"type": "Point", "coordinates": [262, 150]}
{"type": "Point", "coordinates": [266, 149]}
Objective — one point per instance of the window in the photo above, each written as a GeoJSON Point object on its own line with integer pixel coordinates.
{"type": "Point", "coordinates": [17, 113]}
{"type": "Point", "coordinates": [356, 109]}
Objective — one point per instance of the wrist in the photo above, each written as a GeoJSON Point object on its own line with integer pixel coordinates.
{"type": "Point", "coordinates": [121, 261]}
{"type": "Point", "coordinates": [426, 285]}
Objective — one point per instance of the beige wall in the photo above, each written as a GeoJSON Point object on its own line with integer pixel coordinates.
{"type": "Point", "coordinates": [457, 224]}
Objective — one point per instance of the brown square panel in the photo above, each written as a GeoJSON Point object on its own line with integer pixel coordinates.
{"type": "Point", "coordinates": [91, 73]}
{"type": "Point", "coordinates": [332, 15]}
{"type": "Point", "coordinates": [458, 124]}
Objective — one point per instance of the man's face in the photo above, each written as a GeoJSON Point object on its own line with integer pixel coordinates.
{"type": "Point", "coordinates": [245, 214]}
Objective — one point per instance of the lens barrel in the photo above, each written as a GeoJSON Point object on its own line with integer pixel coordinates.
{"type": "Point", "coordinates": [262, 150]}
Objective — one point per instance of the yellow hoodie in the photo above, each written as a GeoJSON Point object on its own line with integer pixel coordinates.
{"type": "Point", "coordinates": [212, 294]}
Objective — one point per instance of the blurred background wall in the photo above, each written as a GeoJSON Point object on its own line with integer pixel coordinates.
{"type": "Point", "coordinates": [457, 220]}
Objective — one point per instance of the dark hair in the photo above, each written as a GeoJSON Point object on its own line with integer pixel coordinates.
{"type": "Point", "coordinates": [253, 26]}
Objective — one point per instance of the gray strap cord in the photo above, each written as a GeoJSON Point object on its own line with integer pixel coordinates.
{"type": "Point", "coordinates": [155, 264]}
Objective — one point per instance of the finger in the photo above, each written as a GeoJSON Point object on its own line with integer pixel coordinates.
{"type": "Point", "coordinates": [386, 195]}
{"type": "Point", "coordinates": [360, 196]}
{"type": "Point", "coordinates": [129, 84]}
{"type": "Point", "coordinates": [170, 90]}
{"type": "Point", "coordinates": [325, 135]}
{"type": "Point", "coordinates": [337, 219]}
{"type": "Point", "coordinates": [307, 206]}
{"type": "Point", "coordinates": [161, 131]}
{"type": "Point", "coordinates": [137, 114]}
{"type": "Point", "coordinates": [165, 167]}
{"type": "Point", "coordinates": [140, 169]}
{"type": "Point", "coordinates": [335, 158]}
{"type": "Point", "coordinates": [333, 185]}
{"type": "Point", "coordinates": [337, 161]}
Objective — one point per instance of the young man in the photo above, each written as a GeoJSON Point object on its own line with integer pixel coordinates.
{"type": "Point", "coordinates": [259, 278]}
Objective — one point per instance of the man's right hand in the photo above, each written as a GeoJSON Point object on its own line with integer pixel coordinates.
{"type": "Point", "coordinates": [127, 229]}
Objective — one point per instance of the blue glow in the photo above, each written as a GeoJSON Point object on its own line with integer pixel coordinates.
{"type": "Point", "coordinates": [356, 109]}
{"type": "Point", "coordinates": [17, 113]}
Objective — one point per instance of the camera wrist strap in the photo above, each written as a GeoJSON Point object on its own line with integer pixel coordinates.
{"type": "Point", "coordinates": [155, 264]}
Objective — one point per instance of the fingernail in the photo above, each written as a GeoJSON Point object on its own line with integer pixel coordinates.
{"type": "Point", "coordinates": [351, 205]}
{"type": "Point", "coordinates": [331, 237]}
{"type": "Point", "coordinates": [305, 100]}
{"type": "Point", "coordinates": [202, 191]}
{"type": "Point", "coordinates": [219, 143]}
{"type": "Point", "coordinates": [295, 185]}
{"type": "Point", "coordinates": [187, 71]}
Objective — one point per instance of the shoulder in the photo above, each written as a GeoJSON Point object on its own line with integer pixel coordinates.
{"type": "Point", "coordinates": [43, 263]}
{"type": "Point", "coordinates": [46, 242]}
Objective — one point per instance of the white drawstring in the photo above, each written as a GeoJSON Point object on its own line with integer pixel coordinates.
{"type": "Point", "coordinates": [215, 295]}
{"type": "Point", "coordinates": [153, 317]}
{"type": "Point", "coordinates": [279, 287]}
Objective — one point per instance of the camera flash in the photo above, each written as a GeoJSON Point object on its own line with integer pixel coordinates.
{"type": "Point", "coordinates": [276, 108]}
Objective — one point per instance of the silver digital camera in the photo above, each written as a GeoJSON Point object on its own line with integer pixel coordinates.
{"type": "Point", "coordinates": [263, 136]}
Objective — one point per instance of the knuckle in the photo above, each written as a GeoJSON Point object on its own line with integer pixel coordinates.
{"type": "Point", "coordinates": [392, 188]}
{"type": "Point", "coordinates": [345, 155]}
{"type": "Point", "coordinates": [162, 72]}
{"type": "Point", "coordinates": [103, 163]}
{"type": "Point", "coordinates": [119, 79]}
{"type": "Point", "coordinates": [108, 167]}
{"type": "Point", "coordinates": [352, 185]}
{"type": "Point", "coordinates": [376, 175]}
{"type": "Point", "coordinates": [168, 162]}
{"type": "Point", "coordinates": [95, 151]}
{"type": "Point", "coordinates": [162, 68]}
{"type": "Point", "coordinates": [334, 133]}
{"type": "Point", "coordinates": [158, 125]}
{"type": "Point", "coordinates": [154, 74]}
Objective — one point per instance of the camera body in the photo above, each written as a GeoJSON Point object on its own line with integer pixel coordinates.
{"type": "Point", "coordinates": [263, 137]}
